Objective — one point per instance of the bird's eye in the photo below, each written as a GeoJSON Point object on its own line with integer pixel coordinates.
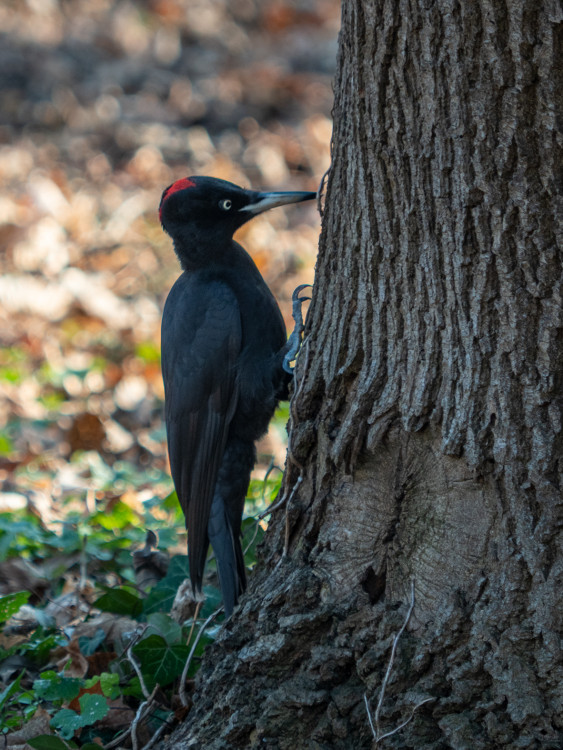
{"type": "Point", "coordinates": [226, 204]}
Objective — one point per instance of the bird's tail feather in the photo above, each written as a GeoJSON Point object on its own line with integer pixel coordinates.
{"type": "Point", "coordinates": [228, 554]}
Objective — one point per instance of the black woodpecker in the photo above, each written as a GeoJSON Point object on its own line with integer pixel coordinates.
{"type": "Point", "coordinates": [223, 348]}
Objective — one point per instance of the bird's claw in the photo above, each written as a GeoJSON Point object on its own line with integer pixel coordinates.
{"type": "Point", "coordinates": [294, 341]}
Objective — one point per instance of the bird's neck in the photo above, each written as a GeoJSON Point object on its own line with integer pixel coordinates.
{"type": "Point", "coordinates": [195, 254]}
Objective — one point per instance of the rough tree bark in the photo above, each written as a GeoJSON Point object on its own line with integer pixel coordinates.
{"type": "Point", "coordinates": [426, 437]}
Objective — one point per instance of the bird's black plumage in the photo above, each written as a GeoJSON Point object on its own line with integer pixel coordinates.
{"type": "Point", "coordinates": [223, 345]}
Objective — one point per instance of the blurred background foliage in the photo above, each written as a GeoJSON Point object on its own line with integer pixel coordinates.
{"type": "Point", "coordinates": [102, 105]}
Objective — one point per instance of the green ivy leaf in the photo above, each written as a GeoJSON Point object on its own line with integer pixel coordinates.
{"type": "Point", "coordinates": [10, 690]}
{"type": "Point", "coordinates": [160, 663]}
{"type": "Point", "coordinates": [54, 687]}
{"type": "Point", "coordinates": [159, 599]}
{"type": "Point", "coordinates": [161, 596]}
{"type": "Point", "coordinates": [213, 601]}
{"type": "Point", "coordinates": [109, 683]}
{"type": "Point", "coordinates": [252, 535]}
{"type": "Point", "coordinates": [11, 603]}
{"type": "Point", "coordinates": [47, 742]}
{"type": "Point", "coordinates": [66, 722]}
{"type": "Point", "coordinates": [39, 646]}
{"type": "Point", "coordinates": [170, 502]}
{"type": "Point", "coordinates": [12, 722]}
{"type": "Point", "coordinates": [162, 624]}
{"type": "Point", "coordinates": [120, 602]}
{"type": "Point", "coordinates": [93, 707]}
{"type": "Point", "coordinates": [208, 637]}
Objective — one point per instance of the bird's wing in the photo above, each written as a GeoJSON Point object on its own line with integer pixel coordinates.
{"type": "Point", "coordinates": [201, 342]}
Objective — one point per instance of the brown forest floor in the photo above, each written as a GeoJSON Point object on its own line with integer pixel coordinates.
{"type": "Point", "coordinates": [102, 105]}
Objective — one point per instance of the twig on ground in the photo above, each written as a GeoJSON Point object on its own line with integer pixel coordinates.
{"type": "Point", "coordinates": [156, 736]}
{"type": "Point", "coordinates": [136, 666]}
{"type": "Point", "coordinates": [129, 653]}
{"type": "Point", "coordinates": [375, 721]}
{"type": "Point", "coordinates": [142, 711]}
{"type": "Point", "coordinates": [184, 677]}
{"type": "Point", "coordinates": [83, 569]}
{"type": "Point", "coordinates": [196, 615]}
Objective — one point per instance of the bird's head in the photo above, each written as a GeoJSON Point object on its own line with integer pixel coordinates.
{"type": "Point", "coordinates": [201, 214]}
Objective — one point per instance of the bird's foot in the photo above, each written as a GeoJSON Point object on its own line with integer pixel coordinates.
{"type": "Point", "coordinates": [294, 341]}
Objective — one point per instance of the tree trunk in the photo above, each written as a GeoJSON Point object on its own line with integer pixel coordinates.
{"type": "Point", "coordinates": [426, 440]}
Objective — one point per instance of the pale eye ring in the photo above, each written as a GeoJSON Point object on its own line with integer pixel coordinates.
{"type": "Point", "coordinates": [226, 204]}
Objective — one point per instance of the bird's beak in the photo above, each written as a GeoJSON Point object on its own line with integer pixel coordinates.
{"type": "Point", "coordinates": [264, 201]}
